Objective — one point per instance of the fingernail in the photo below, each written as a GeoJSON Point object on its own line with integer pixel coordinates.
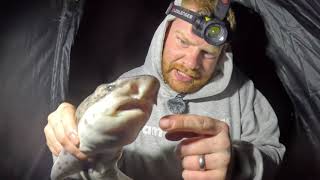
{"type": "Point", "coordinates": [165, 123]}
{"type": "Point", "coordinates": [73, 135]}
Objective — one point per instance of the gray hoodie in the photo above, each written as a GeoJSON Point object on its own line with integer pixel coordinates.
{"type": "Point", "coordinates": [230, 97]}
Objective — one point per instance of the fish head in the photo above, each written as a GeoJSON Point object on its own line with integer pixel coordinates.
{"type": "Point", "coordinates": [115, 113]}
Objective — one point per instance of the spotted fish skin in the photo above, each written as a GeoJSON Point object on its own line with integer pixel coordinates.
{"type": "Point", "coordinates": [108, 119]}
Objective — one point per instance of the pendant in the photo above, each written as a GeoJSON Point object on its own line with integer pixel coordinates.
{"type": "Point", "coordinates": [177, 105]}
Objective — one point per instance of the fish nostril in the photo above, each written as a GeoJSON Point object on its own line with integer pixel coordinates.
{"type": "Point", "coordinates": [134, 89]}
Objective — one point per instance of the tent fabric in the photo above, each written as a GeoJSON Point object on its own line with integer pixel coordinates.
{"type": "Point", "coordinates": [69, 21]}
{"type": "Point", "coordinates": [293, 31]}
{"type": "Point", "coordinates": [35, 43]}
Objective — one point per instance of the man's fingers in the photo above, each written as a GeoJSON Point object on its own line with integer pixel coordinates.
{"type": "Point", "coordinates": [71, 148]}
{"type": "Point", "coordinates": [53, 144]}
{"type": "Point", "coordinates": [63, 138]}
{"type": "Point", "coordinates": [69, 122]}
{"type": "Point", "coordinates": [204, 175]}
{"type": "Point", "coordinates": [204, 145]}
{"type": "Point", "coordinates": [61, 131]}
{"type": "Point", "coordinates": [177, 136]}
{"type": "Point", "coordinates": [57, 127]}
{"type": "Point", "coordinates": [192, 123]}
{"type": "Point", "coordinates": [204, 136]}
{"type": "Point", "coordinates": [212, 161]}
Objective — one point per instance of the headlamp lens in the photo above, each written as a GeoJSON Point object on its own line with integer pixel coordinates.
{"type": "Point", "coordinates": [214, 31]}
{"type": "Point", "coordinates": [215, 34]}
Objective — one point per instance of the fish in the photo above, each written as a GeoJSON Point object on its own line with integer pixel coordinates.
{"type": "Point", "coordinates": [108, 119]}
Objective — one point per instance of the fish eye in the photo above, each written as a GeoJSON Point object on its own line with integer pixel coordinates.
{"type": "Point", "coordinates": [111, 87]}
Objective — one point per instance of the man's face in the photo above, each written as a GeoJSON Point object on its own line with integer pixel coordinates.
{"type": "Point", "coordinates": [188, 61]}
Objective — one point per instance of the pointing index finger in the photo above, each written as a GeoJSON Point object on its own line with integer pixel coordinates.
{"type": "Point", "coordinates": [186, 125]}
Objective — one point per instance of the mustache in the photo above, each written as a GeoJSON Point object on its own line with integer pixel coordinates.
{"type": "Point", "coordinates": [194, 73]}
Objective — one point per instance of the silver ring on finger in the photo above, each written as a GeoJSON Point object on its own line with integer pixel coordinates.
{"type": "Point", "coordinates": [202, 162]}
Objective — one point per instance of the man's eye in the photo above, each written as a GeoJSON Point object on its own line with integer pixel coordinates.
{"type": "Point", "coordinates": [207, 55]}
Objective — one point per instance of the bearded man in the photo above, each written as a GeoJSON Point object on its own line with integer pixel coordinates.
{"type": "Point", "coordinates": [209, 122]}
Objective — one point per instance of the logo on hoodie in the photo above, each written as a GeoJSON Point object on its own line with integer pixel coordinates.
{"type": "Point", "coordinates": [152, 131]}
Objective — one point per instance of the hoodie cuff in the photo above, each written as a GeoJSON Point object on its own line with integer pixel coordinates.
{"type": "Point", "coordinates": [246, 161]}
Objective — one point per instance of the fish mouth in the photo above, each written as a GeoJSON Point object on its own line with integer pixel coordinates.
{"type": "Point", "coordinates": [141, 94]}
{"type": "Point", "coordinates": [132, 104]}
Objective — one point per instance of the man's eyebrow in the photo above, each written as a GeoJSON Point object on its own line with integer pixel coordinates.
{"type": "Point", "coordinates": [184, 37]}
{"type": "Point", "coordinates": [210, 49]}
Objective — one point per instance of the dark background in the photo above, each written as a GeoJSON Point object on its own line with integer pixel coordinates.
{"type": "Point", "coordinates": [112, 38]}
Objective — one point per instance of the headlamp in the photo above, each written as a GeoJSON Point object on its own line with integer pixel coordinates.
{"type": "Point", "coordinates": [212, 29]}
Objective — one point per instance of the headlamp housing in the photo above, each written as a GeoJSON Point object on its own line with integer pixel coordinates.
{"type": "Point", "coordinates": [212, 29]}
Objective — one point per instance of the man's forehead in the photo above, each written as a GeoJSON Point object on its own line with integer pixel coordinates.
{"type": "Point", "coordinates": [196, 41]}
{"type": "Point", "coordinates": [182, 27]}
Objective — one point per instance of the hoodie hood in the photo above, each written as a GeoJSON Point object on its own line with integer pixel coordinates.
{"type": "Point", "coordinates": [152, 66]}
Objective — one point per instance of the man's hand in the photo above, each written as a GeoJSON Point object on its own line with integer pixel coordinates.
{"type": "Point", "coordinates": [61, 131]}
{"type": "Point", "coordinates": [204, 136]}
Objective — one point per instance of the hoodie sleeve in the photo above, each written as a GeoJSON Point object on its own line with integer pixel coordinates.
{"type": "Point", "coordinates": [258, 152]}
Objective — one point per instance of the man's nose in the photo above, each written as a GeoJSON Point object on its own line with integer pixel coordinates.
{"type": "Point", "coordinates": [192, 59]}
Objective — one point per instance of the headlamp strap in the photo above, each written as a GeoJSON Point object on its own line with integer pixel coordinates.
{"type": "Point", "coordinates": [182, 13]}
{"type": "Point", "coordinates": [222, 9]}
